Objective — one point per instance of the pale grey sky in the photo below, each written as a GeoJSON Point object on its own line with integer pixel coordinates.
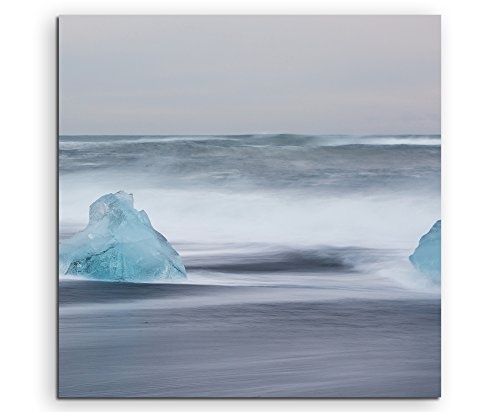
{"type": "Point", "coordinates": [243, 74]}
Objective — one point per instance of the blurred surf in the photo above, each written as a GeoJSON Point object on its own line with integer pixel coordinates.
{"type": "Point", "coordinates": [296, 249]}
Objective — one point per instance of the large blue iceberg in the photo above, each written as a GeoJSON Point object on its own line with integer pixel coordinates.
{"type": "Point", "coordinates": [427, 255]}
{"type": "Point", "coordinates": [119, 244]}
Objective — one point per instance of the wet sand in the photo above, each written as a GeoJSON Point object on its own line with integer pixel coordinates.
{"type": "Point", "coordinates": [184, 340]}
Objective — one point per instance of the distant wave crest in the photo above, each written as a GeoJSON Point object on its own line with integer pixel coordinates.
{"type": "Point", "coordinates": [283, 139]}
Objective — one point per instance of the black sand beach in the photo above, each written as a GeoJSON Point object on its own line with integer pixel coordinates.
{"type": "Point", "coordinates": [182, 340]}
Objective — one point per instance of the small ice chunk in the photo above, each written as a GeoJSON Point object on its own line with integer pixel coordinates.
{"type": "Point", "coordinates": [427, 256]}
{"type": "Point", "coordinates": [120, 244]}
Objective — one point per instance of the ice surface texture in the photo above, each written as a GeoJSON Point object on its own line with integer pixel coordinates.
{"type": "Point", "coordinates": [119, 244]}
{"type": "Point", "coordinates": [427, 255]}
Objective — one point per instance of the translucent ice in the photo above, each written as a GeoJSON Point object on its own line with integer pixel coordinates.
{"type": "Point", "coordinates": [119, 244]}
{"type": "Point", "coordinates": [427, 255]}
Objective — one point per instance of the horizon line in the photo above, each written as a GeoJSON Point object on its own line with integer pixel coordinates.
{"type": "Point", "coordinates": [249, 133]}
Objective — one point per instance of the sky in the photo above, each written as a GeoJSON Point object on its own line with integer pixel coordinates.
{"type": "Point", "coordinates": [249, 74]}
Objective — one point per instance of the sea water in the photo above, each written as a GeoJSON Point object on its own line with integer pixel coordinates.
{"type": "Point", "coordinates": [296, 249]}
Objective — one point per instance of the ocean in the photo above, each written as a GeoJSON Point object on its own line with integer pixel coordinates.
{"type": "Point", "coordinates": [296, 249]}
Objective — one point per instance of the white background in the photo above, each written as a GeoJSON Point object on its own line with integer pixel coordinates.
{"type": "Point", "coordinates": [471, 66]}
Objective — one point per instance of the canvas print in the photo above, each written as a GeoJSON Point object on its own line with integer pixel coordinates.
{"type": "Point", "coordinates": [249, 206]}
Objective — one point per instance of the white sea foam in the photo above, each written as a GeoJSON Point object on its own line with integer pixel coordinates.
{"type": "Point", "coordinates": [301, 195]}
